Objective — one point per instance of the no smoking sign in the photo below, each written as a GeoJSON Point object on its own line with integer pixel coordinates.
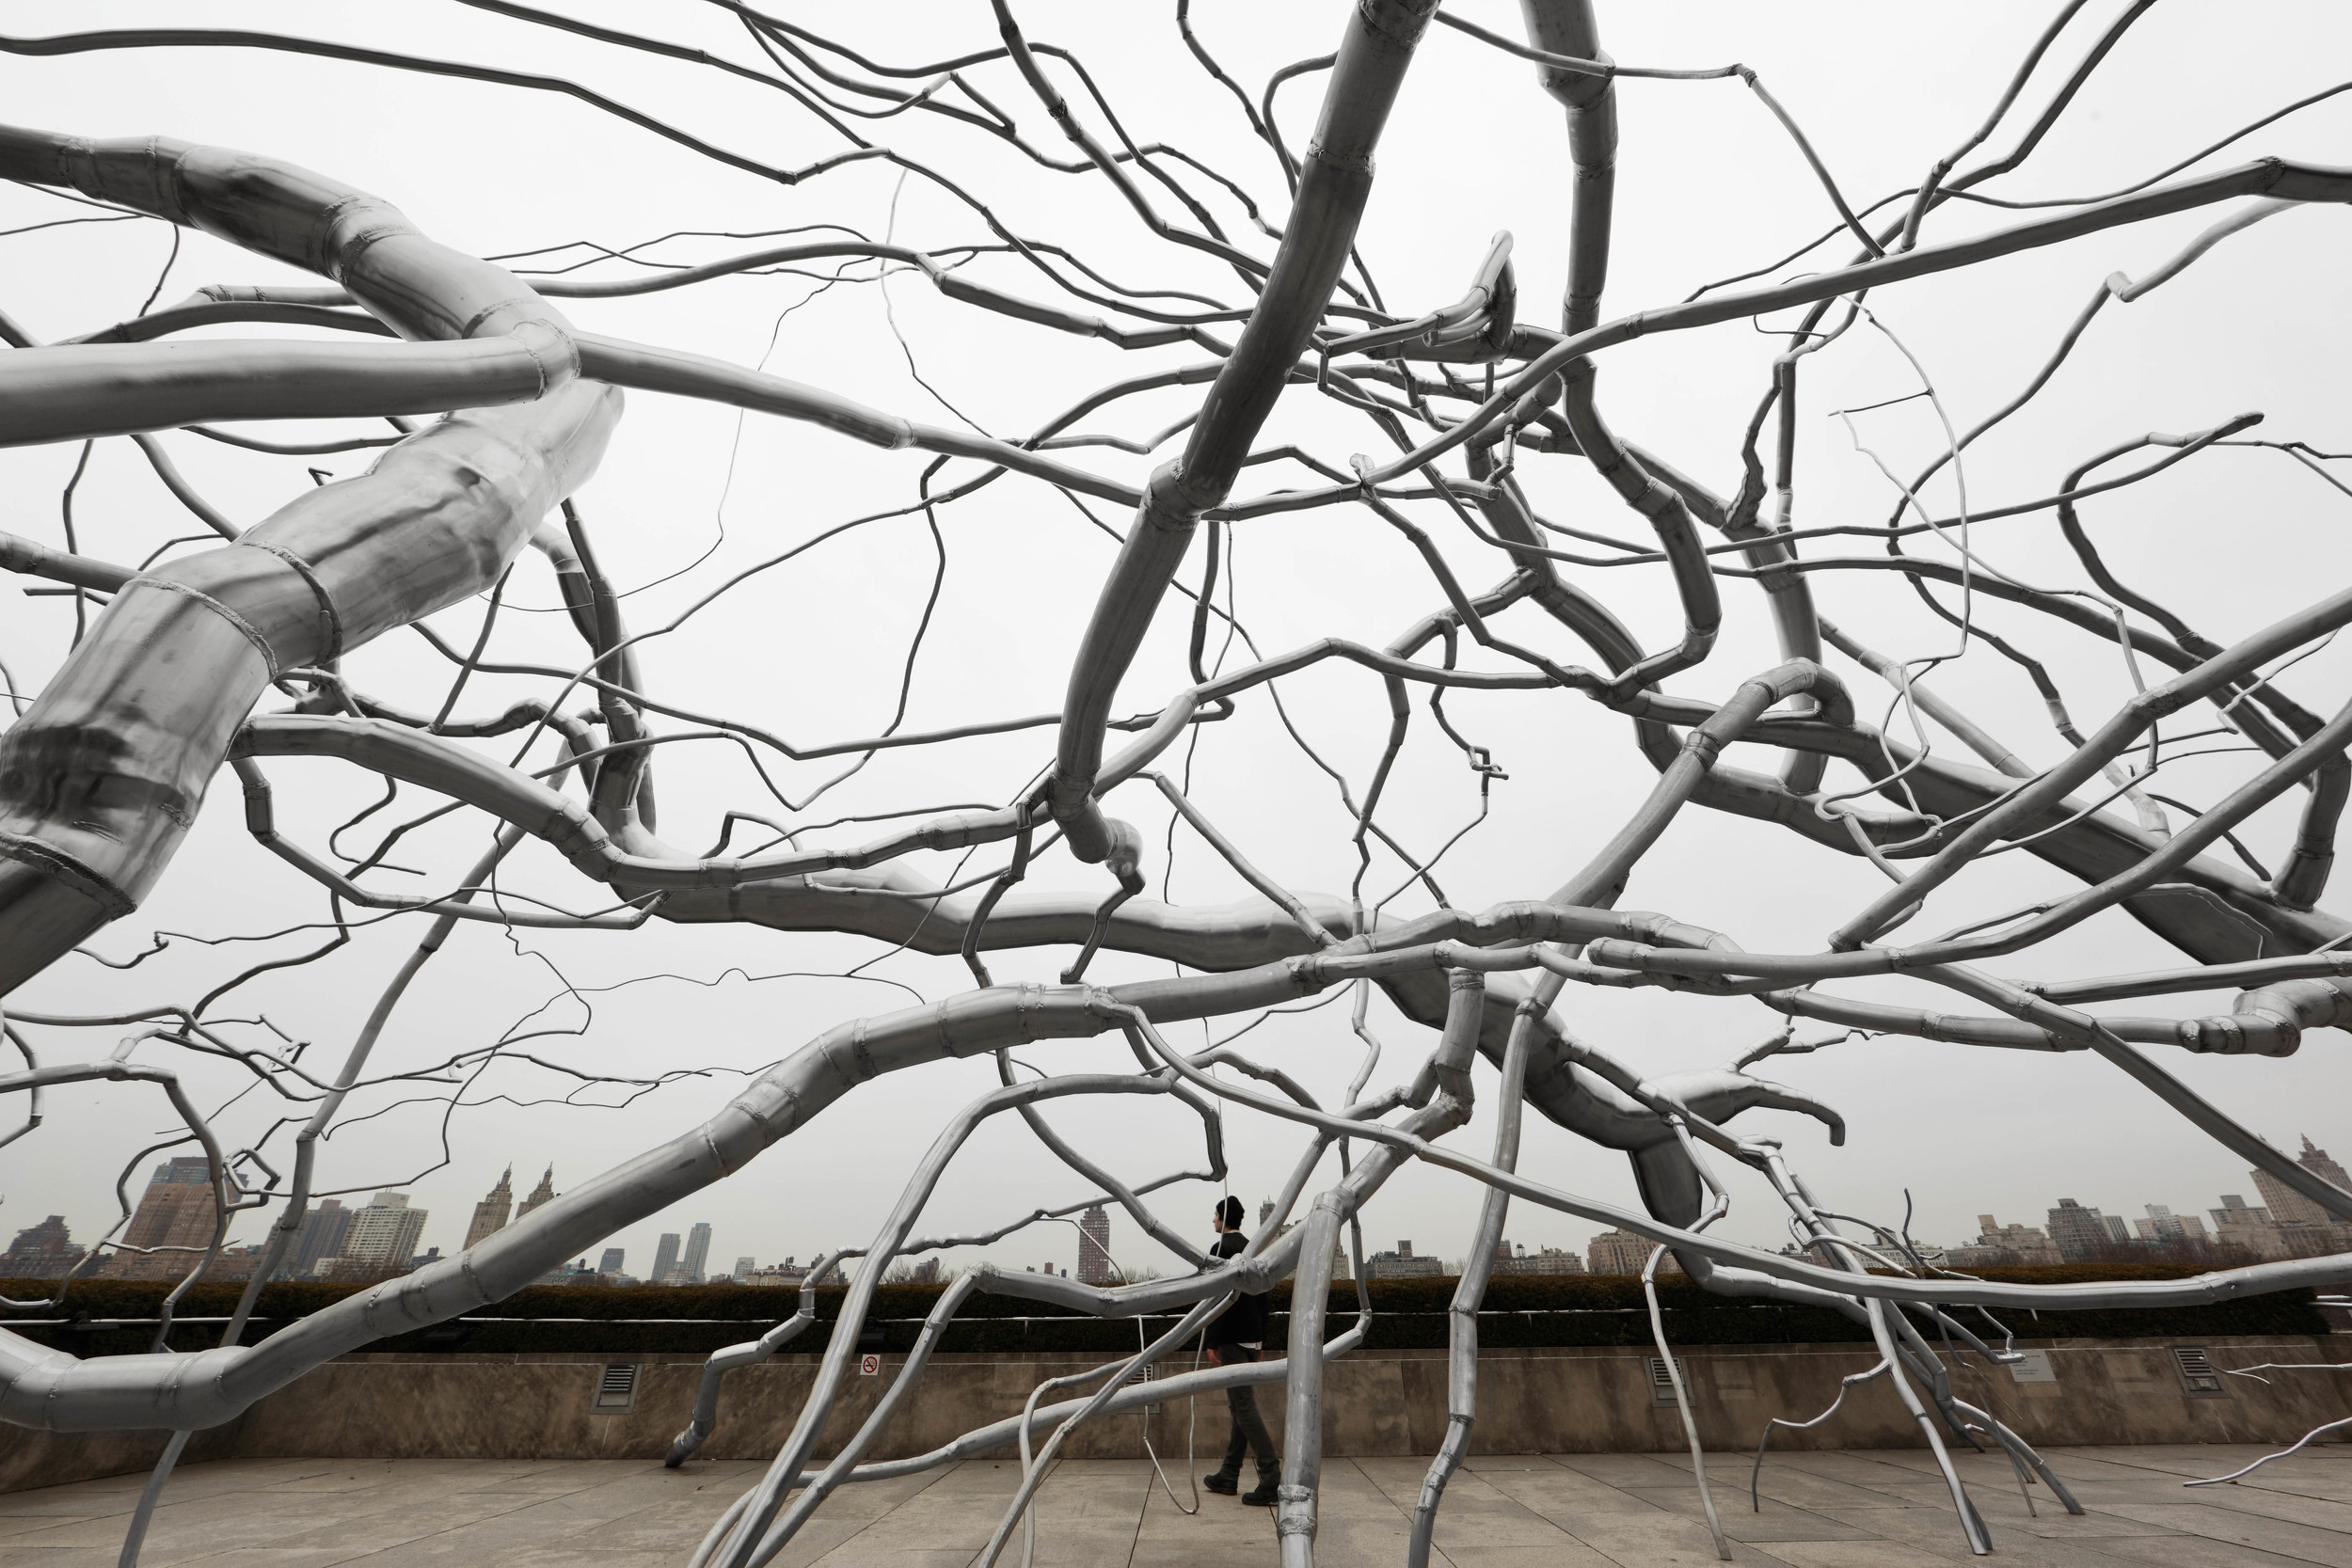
{"type": "Point", "coordinates": [868, 1366]}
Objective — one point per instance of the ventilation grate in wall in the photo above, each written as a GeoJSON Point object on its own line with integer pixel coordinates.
{"type": "Point", "coordinates": [617, 1389]}
{"type": "Point", "coordinates": [1143, 1377]}
{"type": "Point", "coordinates": [1662, 1379]}
{"type": "Point", "coordinates": [2199, 1378]}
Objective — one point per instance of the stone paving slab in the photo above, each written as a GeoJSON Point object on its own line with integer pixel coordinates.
{"type": "Point", "coordinates": [1853, 1508]}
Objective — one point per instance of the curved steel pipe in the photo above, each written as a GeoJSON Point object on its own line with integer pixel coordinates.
{"type": "Point", "coordinates": [1334, 184]}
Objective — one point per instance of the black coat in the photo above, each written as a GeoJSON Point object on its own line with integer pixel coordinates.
{"type": "Point", "coordinates": [1245, 1322]}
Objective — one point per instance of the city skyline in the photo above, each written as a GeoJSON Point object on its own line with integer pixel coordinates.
{"type": "Point", "coordinates": [183, 1207]}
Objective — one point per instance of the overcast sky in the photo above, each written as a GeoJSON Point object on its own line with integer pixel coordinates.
{"type": "Point", "coordinates": [1708, 187]}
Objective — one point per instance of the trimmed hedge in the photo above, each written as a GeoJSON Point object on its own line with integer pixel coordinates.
{"type": "Point", "coordinates": [1520, 1310]}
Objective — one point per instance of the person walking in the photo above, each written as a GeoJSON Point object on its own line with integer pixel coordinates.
{"type": "Point", "coordinates": [1238, 1336]}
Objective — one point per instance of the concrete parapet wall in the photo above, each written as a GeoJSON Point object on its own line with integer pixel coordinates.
{"type": "Point", "coordinates": [1379, 1403]}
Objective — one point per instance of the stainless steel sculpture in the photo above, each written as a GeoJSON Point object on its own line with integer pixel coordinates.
{"type": "Point", "coordinates": [233, 657]}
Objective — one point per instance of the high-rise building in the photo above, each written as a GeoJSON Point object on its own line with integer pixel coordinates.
{"type": "Point", "coordinates": [543, 1193]}
{"type": "Point", "coordinates": [2165, 1228]}
{"type": "Point", "coordinates": [2081, 1233]}
{"type": "Point", "coordinates": [2238, 1223]}
{"type": "Point", "coordinates": [1998, 1245]}
{"type": "Point", "coordinates": [1095, 1245]}
{"type": "Point", "coordinates": [2303, 1228]}
{"type": "Point", "coordinates": [927, 1272]}
{"type": "Point", "coordinates": [382, 1238]}
{"type": "Point", "coordinates": [1341, 1267]}
{"type": "Point", "coordinates": [2315, 1159]}
{"type": "Point", "coordinates": [176, 1211]}
{"type": "Point", "coordinates": [2118, 1230]}
{"type": "Point", "coordinates": [665, 1258]}
{"type": "Point", "coordinates": [2289, 1207]}
{"type": "Point", "coordinates": [743, 1267]}
{"type": "Point", "coordinates": [43, 1251]}
{"type": "Point", "coordinates": [489, 1216]}
{"type": "Point", "coordinates": [610, 1261]}
{"type": "Point", "coordinates": [319, 1237]}
{"type": "Point", "coordinates": [1623, 1252]}
{"type": "Point", "coordinates": [1549, 1261]}
{"type": "Point", "coordinates": [791, 1272]}
{"type": "Point", "coordinates": [697, 1253]}
{"type": "Point", "coordinates": [1402, 1264]}
{"type": "Point", "coordinates": [236, 1262]}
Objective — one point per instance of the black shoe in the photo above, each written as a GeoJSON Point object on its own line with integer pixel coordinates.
{"type": "Point", "coordinates": [1223, 1485]}
{"type": "Point", "coordinates": [1264, 1496]}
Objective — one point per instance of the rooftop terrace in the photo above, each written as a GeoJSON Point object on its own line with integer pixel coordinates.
{"type": "Point", "coordinates": [1880, 1507]}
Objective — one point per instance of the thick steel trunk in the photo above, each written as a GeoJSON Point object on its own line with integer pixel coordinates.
{"type": "Point", "coordinates": [101, 777]}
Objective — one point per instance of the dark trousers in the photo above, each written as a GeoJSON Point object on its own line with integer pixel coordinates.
{"type": "Point", "coordinates": [1249, 1426]}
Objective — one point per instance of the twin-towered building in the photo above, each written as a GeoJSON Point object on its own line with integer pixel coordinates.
{"type": "Point", "coordinates": [490, 1214]}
